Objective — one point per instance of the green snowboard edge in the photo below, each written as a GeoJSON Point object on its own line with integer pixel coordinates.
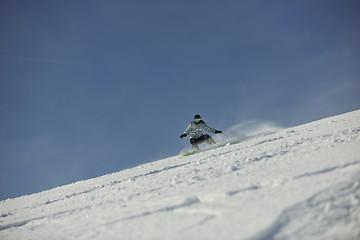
{"type": "Point", "coordinates": [188, 153]}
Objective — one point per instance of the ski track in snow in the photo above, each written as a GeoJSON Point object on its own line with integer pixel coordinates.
{"type": "Point", "coordinates": [297, 183]}
{"type": "Point", "coordinates": [330, 210]}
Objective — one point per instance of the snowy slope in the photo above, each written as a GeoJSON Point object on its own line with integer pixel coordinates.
{"type": "Point", "coordinates": [297, 183]}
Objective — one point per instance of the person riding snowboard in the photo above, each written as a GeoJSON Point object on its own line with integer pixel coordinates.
{"type": "Point", "coordinates": [195, 130]}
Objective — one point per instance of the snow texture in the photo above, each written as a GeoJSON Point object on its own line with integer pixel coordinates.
{"type": "Point", "coordinates": [296, 183]}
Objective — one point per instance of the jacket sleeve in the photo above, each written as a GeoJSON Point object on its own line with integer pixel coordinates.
{"type": "Point", "coordinates": [207, 128]}
{"type": "Point", "coordinates": [188, 129]}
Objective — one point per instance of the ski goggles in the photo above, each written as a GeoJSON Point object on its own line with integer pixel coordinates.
{"type": "Point", "coordinates": [197, 119]}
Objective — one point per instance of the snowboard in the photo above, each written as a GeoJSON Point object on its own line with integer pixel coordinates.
{"type": "Point", "coordinates": [189, 153]}
{"type": "Point", "coordinates": [210, 147]}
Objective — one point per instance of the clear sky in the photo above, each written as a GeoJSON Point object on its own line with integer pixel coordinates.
{"type": "Point", "coordinates": [91, 87]}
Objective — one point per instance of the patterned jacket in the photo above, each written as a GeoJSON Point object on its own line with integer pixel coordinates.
{"type": "Point", "coordinates": [195, 129]}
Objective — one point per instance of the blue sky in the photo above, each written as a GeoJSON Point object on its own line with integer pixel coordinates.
{"type": "Point", "coordinates": [93, 87]}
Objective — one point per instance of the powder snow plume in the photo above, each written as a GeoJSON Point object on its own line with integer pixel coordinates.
{"type": "Point", "coordinates": [238, 133]}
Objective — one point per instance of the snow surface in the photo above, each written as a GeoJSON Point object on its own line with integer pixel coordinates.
{"type": "Point", "coordinates": [297, 183]}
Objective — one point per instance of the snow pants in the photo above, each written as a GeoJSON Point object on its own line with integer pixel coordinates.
{"type": "Point", "coordinates": [204, 138]}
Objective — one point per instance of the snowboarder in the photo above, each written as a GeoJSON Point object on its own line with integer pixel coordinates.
{"type": "Point", "coordinates": [195, 130]}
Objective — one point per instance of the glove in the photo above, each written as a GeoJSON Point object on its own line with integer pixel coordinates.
{"type": "Point", "coordinates": [217, 131]}
{"type": "Point", "coordinates": [183, 135]}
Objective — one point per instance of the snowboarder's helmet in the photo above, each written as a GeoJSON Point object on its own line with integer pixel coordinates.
{"type": "Point", "coordinates": [197, 118]}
